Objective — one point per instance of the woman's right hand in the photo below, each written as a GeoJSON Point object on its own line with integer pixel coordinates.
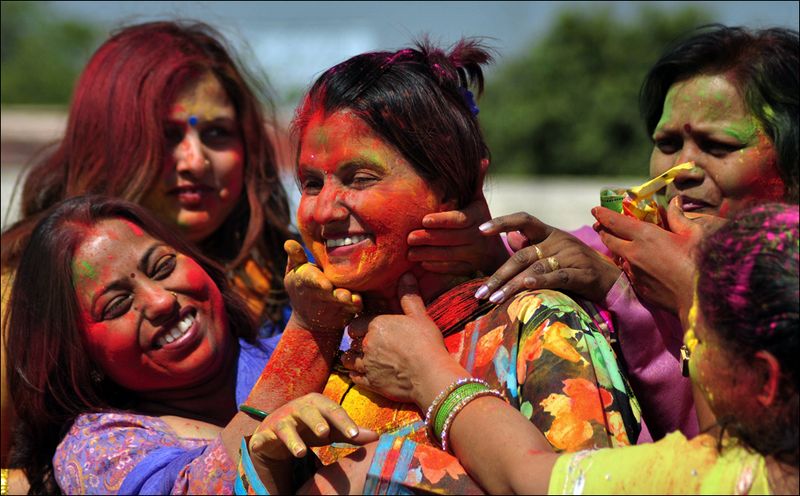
{"type": "Point", "coordinates": [554, 259]}
{"type": "Point", "coordinates": [316, 304]}
{"type": "Point", "coordinates": [308, 421]}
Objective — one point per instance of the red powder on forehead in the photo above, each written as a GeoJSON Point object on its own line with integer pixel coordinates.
{"type": "Point", "coordinates": [135, 228]}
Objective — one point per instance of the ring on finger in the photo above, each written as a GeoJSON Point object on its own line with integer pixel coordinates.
{"type": "Point", "coordinates": [539, 254]}
{"type": "Point", "coordinates": [553, 263]}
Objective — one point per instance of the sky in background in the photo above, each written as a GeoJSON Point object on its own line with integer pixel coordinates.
{"type": "Point", "coordinates": [295, 41]}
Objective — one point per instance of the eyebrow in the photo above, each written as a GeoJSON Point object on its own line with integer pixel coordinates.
{"type": "Point", "coordinates": [144, 261]}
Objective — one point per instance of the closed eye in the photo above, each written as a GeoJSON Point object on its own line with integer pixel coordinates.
{"type": "Point", "coordinates": [164, 267]}
{"type": "Point", "coordinates": [117, 306]}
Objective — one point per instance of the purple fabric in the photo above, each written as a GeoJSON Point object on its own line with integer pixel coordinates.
{"type": "Point", "coordinates": [649, 340]}
{"type": "Point", "coordinates": [128, 453]}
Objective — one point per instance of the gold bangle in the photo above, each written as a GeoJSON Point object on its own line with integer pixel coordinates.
{"type": "Point", "coordinates": [3, 481]}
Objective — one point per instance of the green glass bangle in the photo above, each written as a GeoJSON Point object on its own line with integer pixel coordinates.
{"type": "Point", "coordinates": [451, 401]}
{"type": "Point", "coordinates": [253, 412]}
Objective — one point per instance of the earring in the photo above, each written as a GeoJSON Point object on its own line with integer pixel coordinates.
{"type": "Point", "coordinates": [207, 163]}
{"type": "Point", "coordinates": [685, 356]}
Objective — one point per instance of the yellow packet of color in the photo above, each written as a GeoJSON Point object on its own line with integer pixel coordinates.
{"type": "Point", "coordinates": [640, 202]}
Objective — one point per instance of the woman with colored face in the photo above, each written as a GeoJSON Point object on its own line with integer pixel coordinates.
{"type": "Point", "coordinates": [740, 352]}
{"type": "Point", "coordinates": [725, 98]}
{"type": "Point", "coordinates": [163, 116]}
{"type": "Point", "coordinates": [386, 139]}
{"type": "Point", "coordinates": [125, 361]}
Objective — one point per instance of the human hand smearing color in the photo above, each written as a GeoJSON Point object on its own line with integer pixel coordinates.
{"type": "Point", "coordinates": [546, 257]}
{"type": "Point", "coordinates": [402, 357]}
{"type": "Point", "coordinates": [316, 304]}
{"type": "Point", "coordinates": [451, 243]}
{"type": "Point", "coordinates": [659, 263]}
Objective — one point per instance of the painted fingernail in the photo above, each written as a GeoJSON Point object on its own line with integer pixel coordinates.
{"type": "Point", "coordinates": [352, 432]}
{"type": "Point", "coordinates": [482, 292]}
{"type": "Point", "coordinates": [485, 226]}
{"type": "Point", "coordinates": [496, 296]}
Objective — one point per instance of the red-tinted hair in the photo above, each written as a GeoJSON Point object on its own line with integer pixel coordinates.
{"type": "Point", "coordinates": [115, 143]}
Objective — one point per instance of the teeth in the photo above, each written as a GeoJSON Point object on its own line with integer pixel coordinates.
{"type": "Point", "coordinates": [176, 332]}
{"type": "Point", "coordinates": [350, 240]}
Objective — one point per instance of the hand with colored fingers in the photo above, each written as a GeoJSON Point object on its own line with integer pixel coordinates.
{"type": "Point", "coordinates": [308, 421]}
{"type": "Point", "coordinates": [554, 259]}
{"type": "Point", "coordinates": [451, 243]}
{"type": "Point", "coordinates": [316, 303]}
{"type": "Point", "coordinates": [659, 263]}
{"type": "Point", "coordinates": [396, 353]}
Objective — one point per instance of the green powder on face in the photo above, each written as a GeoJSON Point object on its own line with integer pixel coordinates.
{"type": "Point", "coordinates": [745, 133]}
{"type": "Point", "coordinates": [85, 270]}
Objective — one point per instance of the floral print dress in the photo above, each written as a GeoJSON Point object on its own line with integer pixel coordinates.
{"type": "Point", "coordinates": [540, 348]}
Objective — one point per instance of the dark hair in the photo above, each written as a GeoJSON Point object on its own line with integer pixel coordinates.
{"type": "Point", "coordinates": [417, 100]}
{"type": "Point", "coordinates": [749, 297]}
{"type": "Point", "coordinates": [115, 143]}
{"type": "Point", "coordinates": [48, 368]}
{"type": "Point", "coordinates": [762, 64]}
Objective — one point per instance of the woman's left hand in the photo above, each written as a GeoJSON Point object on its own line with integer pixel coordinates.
{"type": "Point", "coordinates": [395, 355]}
{"type": "Point", "coordinates": [659, 263]}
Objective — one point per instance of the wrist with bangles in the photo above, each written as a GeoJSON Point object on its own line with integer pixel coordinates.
{"type": "Point", "coordinates": [450, 401]}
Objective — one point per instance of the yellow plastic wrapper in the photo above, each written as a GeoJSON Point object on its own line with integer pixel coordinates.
{"type": "Point", "coordinates": [641, 202]}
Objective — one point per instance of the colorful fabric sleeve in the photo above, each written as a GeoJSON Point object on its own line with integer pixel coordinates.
{"type": "Point", "coordinates": [110, 453]}
{"type": "Point", "coordinates": [568, 380]}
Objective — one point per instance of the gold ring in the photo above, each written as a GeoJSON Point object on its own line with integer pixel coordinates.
{"type": "Point", "coordinates": [553, 263]}
{"type": "Point", "coordinates": [539, 254]}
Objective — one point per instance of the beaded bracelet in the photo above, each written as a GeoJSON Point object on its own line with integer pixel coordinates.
{"type": "Point", "coordinates": [451, 401]}
{"type": "Point", "coordinates": [434, 406]}
{"type": "Point", "coordinates": [460, 406]}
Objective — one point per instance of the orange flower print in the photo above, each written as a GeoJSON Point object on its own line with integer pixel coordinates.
{"type": "Point", "coordinates": [556, 341]}
{"type": "Point", "coordinates": [436, 464]}
{"type": "Point", "coordinates": [530, 349]}
{"type": "Point", "coordinates": [487, 346]}
{"type": "Point", "coordinates": [574, 412]}
{"type": "Point", "coordinates": [522, 308]}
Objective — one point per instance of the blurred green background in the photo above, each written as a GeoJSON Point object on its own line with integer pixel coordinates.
{"type": "Point", "coordinates": [563, 104]}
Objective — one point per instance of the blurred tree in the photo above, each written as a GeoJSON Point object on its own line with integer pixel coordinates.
{"type": "Point", "coordinates": [41, 54]}
{"type": "Point", "coordinates": [569, 106]}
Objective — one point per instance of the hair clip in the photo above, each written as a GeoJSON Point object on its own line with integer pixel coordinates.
{"type": "Point", "coordinates": [469, 98]}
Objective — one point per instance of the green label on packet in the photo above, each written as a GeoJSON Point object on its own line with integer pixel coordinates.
{"type": "Point", "coordinates": [612, 198]}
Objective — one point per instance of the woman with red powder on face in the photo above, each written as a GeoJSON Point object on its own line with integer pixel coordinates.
{"type": "Point", "coordinates": [125, 364]}
{"type": "Point", "coordinates": [385, 139]}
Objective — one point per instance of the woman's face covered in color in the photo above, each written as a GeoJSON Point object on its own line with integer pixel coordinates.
{"type": "Point", "coordinates": [202, 178]}
{"type": "Point", "coordinates": [153, 319]}
{"type": "Point", "coordinates": [705, 119]}
{"type": "Point", "coordinates": [360, 200]}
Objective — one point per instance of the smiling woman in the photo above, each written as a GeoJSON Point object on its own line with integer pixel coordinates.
{"type": "Point", "coordinates": [129, 347]}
